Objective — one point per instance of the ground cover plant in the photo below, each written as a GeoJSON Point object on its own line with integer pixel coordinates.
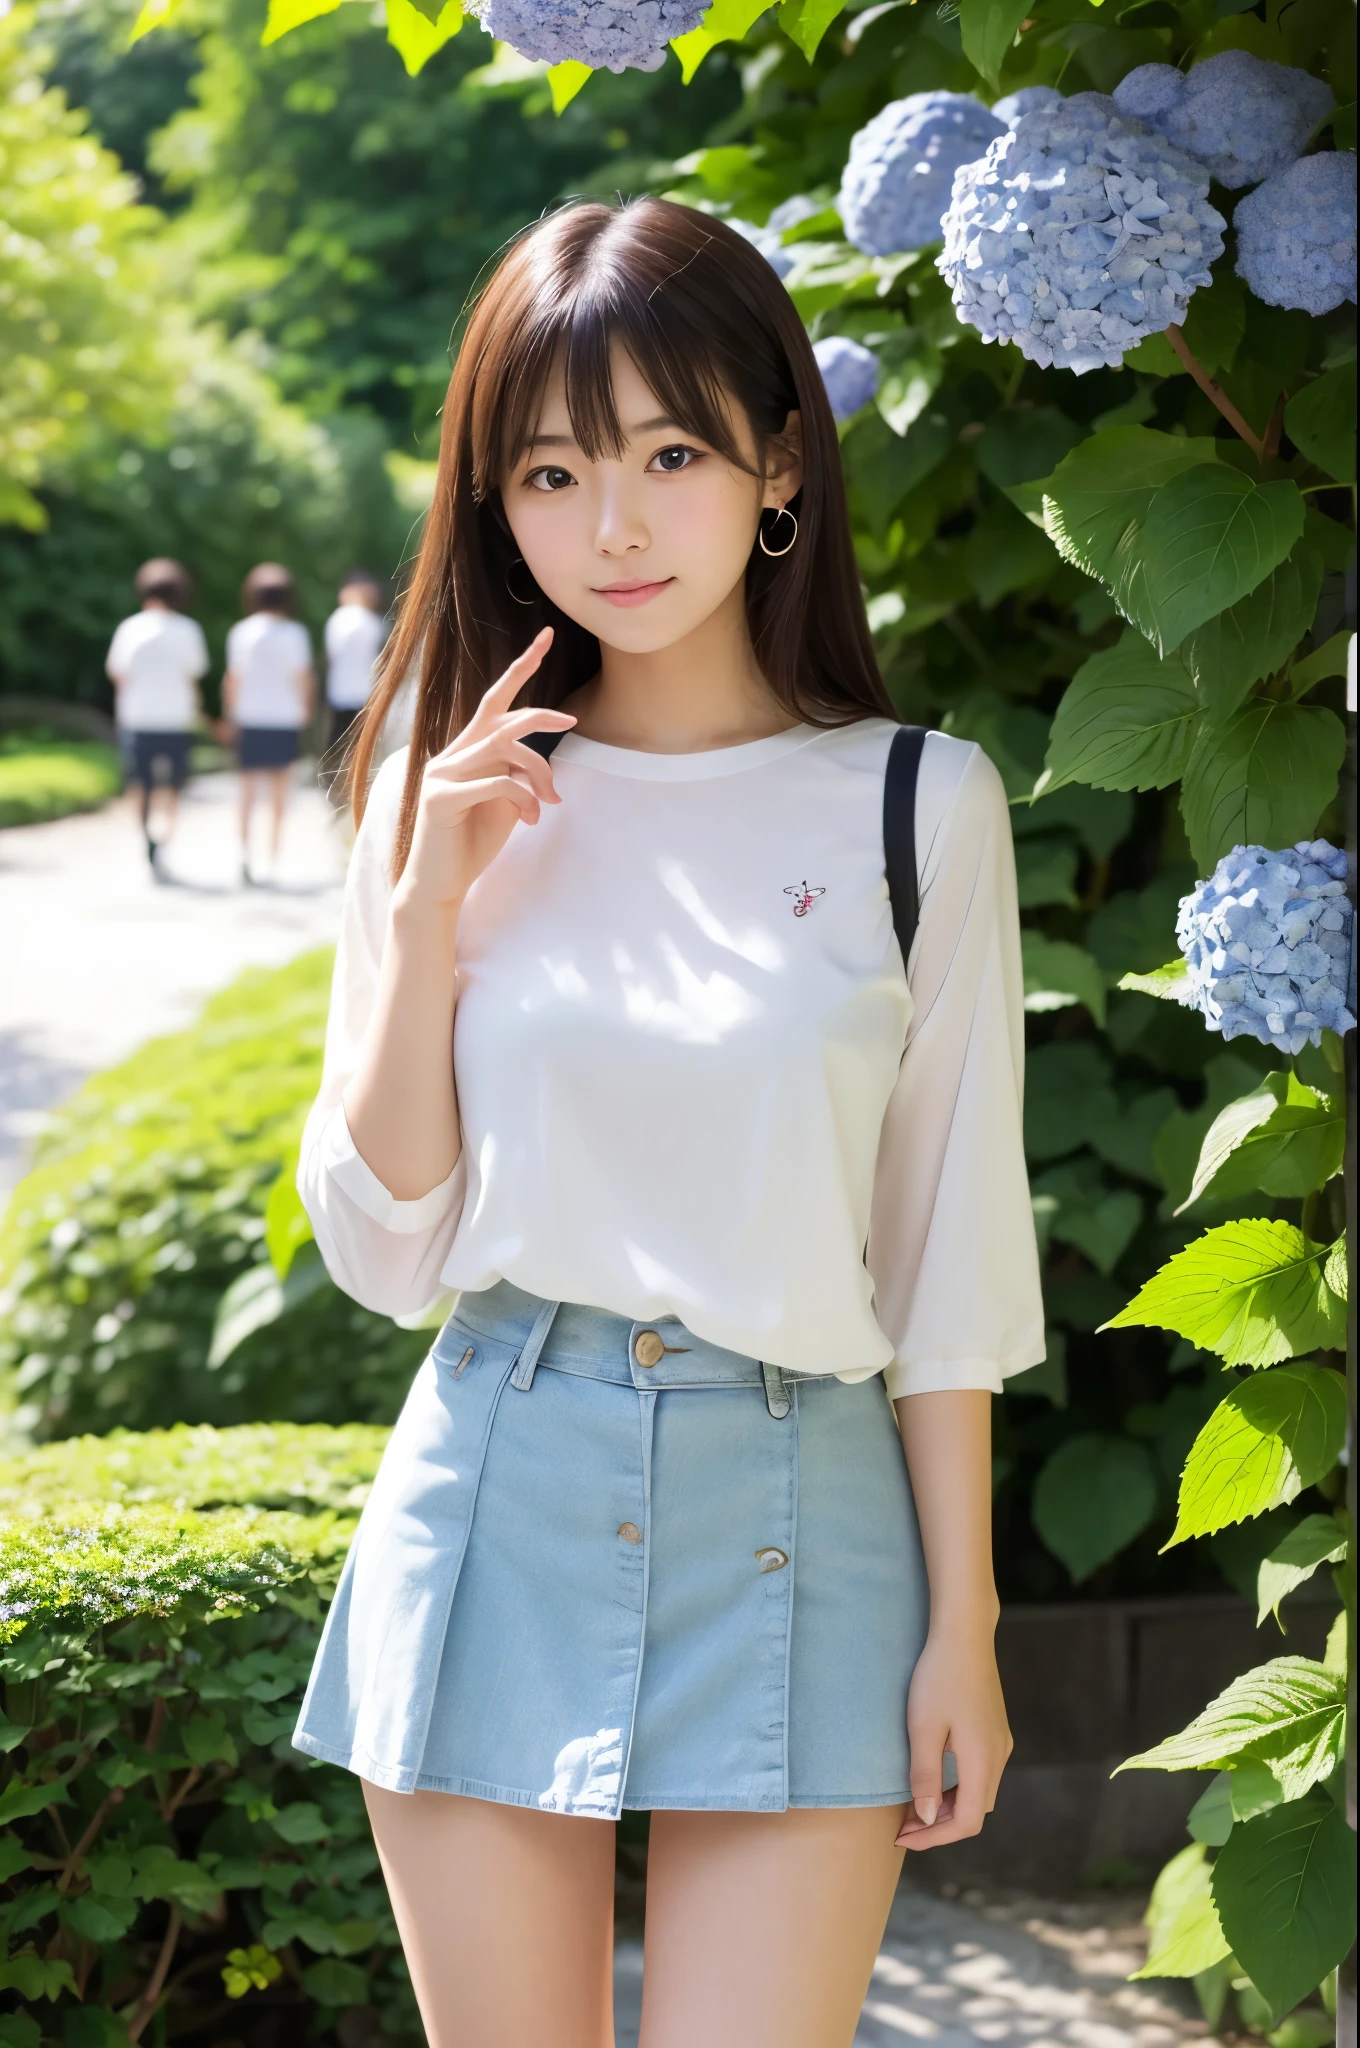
{"type": "Point", "coordinates": [45, 775]}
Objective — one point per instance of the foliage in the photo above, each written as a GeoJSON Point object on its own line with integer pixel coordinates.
{"type": "Point", "coordinates": [47, 775]}
{"type": "Point", "coordinates": [167, 1861]}
{"type": "Point", "coordinates": [148, 1202]}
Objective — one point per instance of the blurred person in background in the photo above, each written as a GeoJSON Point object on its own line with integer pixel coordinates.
{"type": "Point", "coordinates": [355, 633]}
{"type": "Point", "coordinates": [268, 695]}
{"type": "Point", "coordinates": [155, 661]}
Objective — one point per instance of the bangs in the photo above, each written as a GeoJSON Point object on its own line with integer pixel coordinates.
{"type": "Point", "coordinates": [693, 371]}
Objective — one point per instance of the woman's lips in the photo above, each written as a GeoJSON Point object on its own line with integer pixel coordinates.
{"type": "Point", "coordinates": [637, 593]}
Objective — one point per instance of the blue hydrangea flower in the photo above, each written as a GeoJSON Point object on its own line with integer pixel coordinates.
{"type": "Point", "coordinates": [901, 166]}
{"type": "Point", "coordinates": [609, 35]}
{"type": "Point", "coordinates": [1016, 105]}
{"type": "Point", "coordinates": [849, 372]}
{"type": "Point", "coordinates": [1296, 234]}
{"type": "Point", "coordinates": [1269, 941]}
{"type": "Point", "coordinates": [1079, 234]}
{"type": "Point", "coordinates": [769, 239]}
{"type": "Point", "coordinates": [1238, 115]}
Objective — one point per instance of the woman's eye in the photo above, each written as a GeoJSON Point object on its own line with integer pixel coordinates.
{"type": "Point", "coordinates": [550, 479]}
{"type": "Point", "coordinates": [671, 460]}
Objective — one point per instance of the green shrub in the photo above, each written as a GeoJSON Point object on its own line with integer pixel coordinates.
{"type": "Point", "coordinates": [169, 1865]}
{"type": "Point", "coordinates": [147, 1201]}
{"type": "Point", "coordinates": [44, 775]}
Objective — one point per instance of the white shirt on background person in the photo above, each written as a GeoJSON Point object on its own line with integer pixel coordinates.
{"type": "Point", "coordinates": [155, 659]}
{"type": "Point", "coordinates": [693, 1078]}
{"type": "Point", "coordinates": [354, 640]}
{"type": "Point", "coordinates": [271, 659]}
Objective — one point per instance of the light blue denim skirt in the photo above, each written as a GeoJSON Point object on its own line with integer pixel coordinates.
{"type": "Point", "coordinates": [597, 1573]}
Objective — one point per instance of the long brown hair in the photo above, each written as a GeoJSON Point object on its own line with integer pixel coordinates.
{"type": "Point", "coordinates": [702, 315]}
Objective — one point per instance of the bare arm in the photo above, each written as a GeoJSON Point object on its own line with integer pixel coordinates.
{"type": "Point", "coordinates": [230, 689]}
{"type": "Point", "coordinates": [401, 1106]}
{"type": "Point", "coordinates": [955, 1701]}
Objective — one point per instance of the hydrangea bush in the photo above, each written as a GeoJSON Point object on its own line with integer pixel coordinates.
{"type": "Point", "coordinates": [609, 35]}
{"type": "Point", "coordinates": [1078, 235]}
{"type": "Point", "coordinates": [1238, 115]}
{"type": "Point", "coordinates": [1296, 235]}
{"type": "Point", "coordinates": [901, 166]}
{"type": "Point", "coordinates": [1269, 943]}
{"type": "Point", "coordinates": [849, 372]}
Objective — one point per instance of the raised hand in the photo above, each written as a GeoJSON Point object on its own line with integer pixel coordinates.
{"type": "Point", "coordinates": [475, 792]}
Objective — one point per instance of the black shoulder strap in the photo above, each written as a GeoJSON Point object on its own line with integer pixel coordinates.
{"type": "Point", "coordinates": [899, 832]}
{"type": "Point", "coordinates": [544, 742]}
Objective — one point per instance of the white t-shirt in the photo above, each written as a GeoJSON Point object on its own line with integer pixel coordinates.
{"type": "Point", "coordinates": [692, 1077]}
{"type": "Point", "coordinates": [270, 658]}
{"type": "Point", "coordinates": [354, 640]}
{"type": "Point", "coordinates": [155, 658]}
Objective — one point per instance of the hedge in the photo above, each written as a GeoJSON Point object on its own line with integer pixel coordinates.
{"type": "Point", "coordinates": [170, 1868]}
{"type": "Point", "coordinates": [46, 775]}
{"type": "Point", "coordinates": [147, 1201]}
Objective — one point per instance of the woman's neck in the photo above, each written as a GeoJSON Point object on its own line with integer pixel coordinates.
{"type": "Point", "coordinates": [702, 692]}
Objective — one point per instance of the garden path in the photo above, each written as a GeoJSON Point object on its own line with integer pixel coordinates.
{"type": "Point", "coordinates": [98, 956]}
{"type": "Point", "coordinates": [1012, 1971]}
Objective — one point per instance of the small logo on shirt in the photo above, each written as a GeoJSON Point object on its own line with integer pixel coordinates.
{"type": "Point", "coordinates": [803, 897]}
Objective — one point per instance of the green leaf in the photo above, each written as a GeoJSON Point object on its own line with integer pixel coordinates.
{"type": "Point", "coordinates": [1127, 720]}
{"type": "Point", "coordinates": [1320, 421]}
{"type": "Point", "coordinates": [1092, 1497]}
{"type": "Point", "coordinates": [912, 369]}
{"type": "Point", "coordinates": [290, 14]}
{"type": "Point", "coordinates": [207, 1741]}
{"type": "Point", "coordinates": [32, 1977]}
{"type": "Point", "coordinates": [1058, 974]}
{"type": "Point", "coordinates": [1171, 983]}
{"type": "Point", "coordinates": [1272, 1436]}
{"type": "Point", "coordinates": [1284, 1885]}
{"type": "Point", "coordinates": [1261, 779]}
{"type": "Point", "coordinates": [19, 1801]}
{"type": "Point", "coordinates": [1005, 552]}
{"type": "Point", "coordinates": [287, 1226]}
{"type": "Point", "coordinates": [414, 36]}
{"type": "Point", "coordinates": [989, 28]}
{"type": "Point", "coordinates": [1254, 1789]}
{"type": "Point", "coordinates": [1210, 1819]}
{"type": "Point", "coordinates": [1317, 1539]}
{"type": "Point", "coordinates": [1331, 659]}
{"type": "Point", "coordinates": [156, 14]}
{"type": "Point", "coordinates": [1285, 1138]}
{"type": "Point", "coordinates": [301, 1822]}
{"type": "Point", "coordinates": [727, 21]}
{"type": "Point", "coordinates": [565, 81]}
{"type": "Point", "coordinates": [1255, 637]}
{"type": "Point", "coordinates": [336, 1983]}
{"type": "Point", "coordinates": [99, 1920]}
{"type": "Point", "coordinates": [257, 1298]}
{"type": "Point", "coordinates": [1184, 1936]}
{"type": "Point", "coordinates": [805, 22]}
{"type": "Point", "coordinates": [1289, 1713]}
{"type": "Point", "coordinates": [1019, 446]}
{"type": "Point", "coordinates": [1082, 1210]}
{"type": "Point", "coordinates": [1098, 497]}
{"type": "Point", "coordinates": [1252, 1290]}
{"type": "Point", "coordinates": [1210, 537]}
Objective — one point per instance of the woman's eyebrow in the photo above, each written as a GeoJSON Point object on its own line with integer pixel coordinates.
{"type": "Point", "coordinates": [630, 433]}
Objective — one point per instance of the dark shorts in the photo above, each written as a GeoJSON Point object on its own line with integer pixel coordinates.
{"type": "Point", "coordinates": [152, 757]}
{"type": "Point", "coordinates": [267, 746]}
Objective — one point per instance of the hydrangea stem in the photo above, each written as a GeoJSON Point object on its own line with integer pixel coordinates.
{"type": "Point", "coordinates": [1215, 393]}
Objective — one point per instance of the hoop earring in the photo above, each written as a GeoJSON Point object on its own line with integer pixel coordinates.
{"type": "Point", "coordinates": [775, 553]}
{"type": "Point", "coordinates": [519, 563]}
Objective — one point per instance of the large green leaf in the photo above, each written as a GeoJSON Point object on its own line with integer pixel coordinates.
{"type": "Point", "coordinates": [1020, 446]}
{"type": "Point", "coordinates": [1005, 552]}
{"type": "Point", "coordinates": [1252, 639]}
{"type": "Point", "coordinates": [1058, 974]}
{"type": "Point", "coordinates": [1210, 537]}
{"type": "Point", "coordinates": [1284, 1886]}
{"type": "Point", "coordinates": [1261, 779]}
{"type": "Point", "coordinates": [1272, 1436]}
{"type": "Point", "coordinates": [1127, 720]}
{"type": "Point", "coordinates": [1317, 1539]}
{"type": "Point", "coordinates": [726, 21]}
{"type": "Point", "coordinates": [1253, 1291]}
{"type": "Point", "coordinates": [1184, 1936]}
{"type": "Point", "coordinates": [989, 28]}
{"type": "Point", "coordinates": [805, 22]}
{"type": "Point", "coordinates": [415, 34]}
{"type": "Point", "coordinates": [1094, 1495]}
{"type": "Point", "coordinates": [1320, 421]}
{"type": "Point", "coordinates": [1098, 497]}
{"type": "Point", "coordinates": [1285, 1138]}
{"type": "Point", "coordinates": [1289, 1713]}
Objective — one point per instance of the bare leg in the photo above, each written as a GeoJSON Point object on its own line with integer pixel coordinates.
{"type": "Point", "coordinates": [762, 1928]}
{"type": "Point", "coordinates": [279, 780]}
{"type": "Point", "coordinates": [249, 780]}
{"type": "Point", "coordinates": [169, 812]}
{"type": "Point", "coordinates": [506, 1916]}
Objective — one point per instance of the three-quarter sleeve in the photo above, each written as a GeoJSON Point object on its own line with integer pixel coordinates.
{"type": "Point", "coordinates": [387, 1254]}
{"type": "Point", "coordinates": [951, 1248]}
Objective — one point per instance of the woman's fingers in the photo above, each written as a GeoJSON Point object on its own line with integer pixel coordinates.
{"type": "Point", "coordinates": [462, 796]}
{"type": "Point", "coordinates": [927, 1768]}
{"type": "Point", "coordinates": [507, 687]}
{"type": "Point", "coordinates": [957, 1814]}
{"type": "Point", "coordinates": [495, 752]}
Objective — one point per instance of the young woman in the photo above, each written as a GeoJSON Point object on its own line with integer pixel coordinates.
{"type": "Point", "coordinates": [623, 1048]}
{"type": "Point", "coordinates": [269, 695]}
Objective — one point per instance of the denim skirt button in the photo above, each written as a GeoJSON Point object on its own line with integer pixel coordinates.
{"type": "Point", "coordinates": [771, 1559]}
{"type": "Point", "coordinates": [630, 1532]}
{"type": "Point", "coordinates": [648, 1348]}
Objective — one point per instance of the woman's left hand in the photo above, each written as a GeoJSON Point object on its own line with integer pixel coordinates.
{"type": "Point", "coordinates": [955, 1703]}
